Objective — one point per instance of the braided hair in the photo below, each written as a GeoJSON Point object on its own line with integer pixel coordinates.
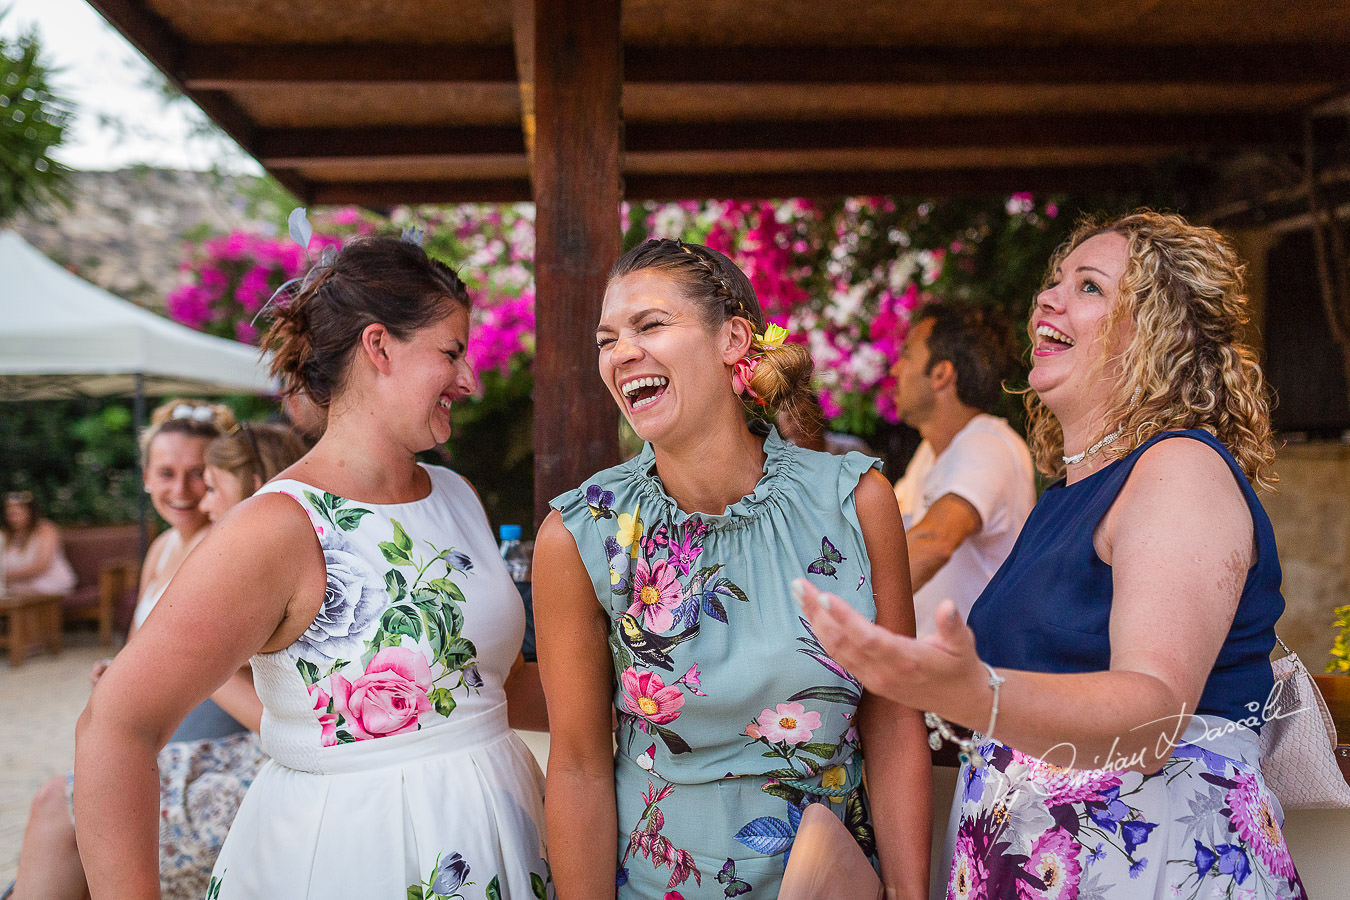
{"type": "Point", "coordinates": [721, 291]}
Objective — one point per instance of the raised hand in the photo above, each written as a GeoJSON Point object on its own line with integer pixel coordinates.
{"type": "Point", "coordinates": [937, 673]}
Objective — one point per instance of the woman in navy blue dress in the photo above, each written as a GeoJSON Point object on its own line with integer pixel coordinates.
{"type": "Point", "coordinates": [1116, 668]}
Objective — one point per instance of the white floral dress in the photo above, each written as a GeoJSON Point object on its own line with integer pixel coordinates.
{"type": "Point", "coordinates": [393, 771]}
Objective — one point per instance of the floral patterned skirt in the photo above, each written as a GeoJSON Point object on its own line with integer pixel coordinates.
{"type": "Point", "coordinates": [1205, 826]}
{"type": "Point", "coordinates": [201, 784]}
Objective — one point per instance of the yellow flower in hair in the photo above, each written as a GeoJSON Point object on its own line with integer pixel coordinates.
{"type": "Point", "coordinates": [773, 336]}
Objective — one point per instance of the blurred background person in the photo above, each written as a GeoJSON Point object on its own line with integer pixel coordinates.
{"type": "Point", "coordinates": [34, 561]}
{"type": "Point", "coordinates": [213, 756]}
{"type": "Point", "coordinates": [970, 485]}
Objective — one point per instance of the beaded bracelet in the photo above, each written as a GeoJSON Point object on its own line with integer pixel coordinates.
{"type": "Point", "coordinates": [968, 747]}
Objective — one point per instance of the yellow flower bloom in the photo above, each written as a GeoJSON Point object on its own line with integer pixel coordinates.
{"type": "Point", "coordinates": [630, 530]}
{"type": "Point", "coordinates": [832, 778]}
{"type": "Point", "coordinates": [773, 336]}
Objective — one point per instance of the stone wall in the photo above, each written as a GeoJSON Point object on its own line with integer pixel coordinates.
{"type": "Point", "coordinates": [124, 230]}
{"type": "Point", "coordinates": [1311, 515]}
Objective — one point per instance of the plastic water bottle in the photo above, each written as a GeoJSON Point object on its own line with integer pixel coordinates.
{"type": "Point", "coordinates": [514, 553]}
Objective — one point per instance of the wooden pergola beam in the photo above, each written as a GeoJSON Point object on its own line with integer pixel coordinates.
{"type": "Point", "coordinates": [296, 146]}
{"type": "Point", "coordinates": [228, 66]}
{"type": "Point", "coordinates": [577, 60]}
{"type": "Point", "coordinates": [910, 182]}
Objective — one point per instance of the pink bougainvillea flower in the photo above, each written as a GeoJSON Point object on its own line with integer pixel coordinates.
{"type": "Point", "coordinates": [389, 697]}
{"type": "Point", "coordinates": [647, 695]}
{"type": "Point", "coordinates": [788, 722]}
{"type": "Point", "coordinates": [656, 593]}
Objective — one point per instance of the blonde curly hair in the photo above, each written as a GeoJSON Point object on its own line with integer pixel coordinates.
{"type": "Point", "coordinates": [1183, 290]}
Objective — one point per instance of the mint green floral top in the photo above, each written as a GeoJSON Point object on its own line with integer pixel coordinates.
{"type": "Point", "coordinates": [732, 718]}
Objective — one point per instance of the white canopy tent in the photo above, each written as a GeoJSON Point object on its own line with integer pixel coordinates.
{"type": "Point", "coordinates": [61, 336]}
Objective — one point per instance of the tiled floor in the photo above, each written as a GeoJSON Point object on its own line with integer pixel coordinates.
{"type": "Point", "coordinates": [39, 703]}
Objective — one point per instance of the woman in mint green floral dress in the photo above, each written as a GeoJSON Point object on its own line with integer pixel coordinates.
{"type": "Point", "coordinates": [382, 625]}
{"type": "Point", "coordinates": [661, 594]}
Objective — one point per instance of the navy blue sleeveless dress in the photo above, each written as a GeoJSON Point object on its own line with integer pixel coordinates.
{"type": "Point", "coordinates": [1205, 826]}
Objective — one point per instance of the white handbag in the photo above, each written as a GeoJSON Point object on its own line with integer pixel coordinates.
{"type": "Point", "coordinates": [1298, 742]}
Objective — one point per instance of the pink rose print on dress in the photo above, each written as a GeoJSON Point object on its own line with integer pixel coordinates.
{"type": "Point", "coordinates": [389, 697]}
{"type": "Point", "coordinates": [647, 695]}
{"type": "Point", "coordinates": [327, 720]}
{"type": "Point", "coordinates": [787, 722]}
{"type": "Point", "coordinates": [656, 593]}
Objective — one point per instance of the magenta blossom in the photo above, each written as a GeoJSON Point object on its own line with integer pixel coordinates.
{"type": "Point", "coordinates": [656, 594]}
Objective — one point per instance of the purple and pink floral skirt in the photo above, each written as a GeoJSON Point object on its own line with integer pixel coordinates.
{"type": "Point", "coordinates": [1205, 826]}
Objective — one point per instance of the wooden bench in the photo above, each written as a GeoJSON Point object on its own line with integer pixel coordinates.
{"type": "Point", "coordinates": [106, 560]}
{"type": "Point", "coordinates": [30, 619]}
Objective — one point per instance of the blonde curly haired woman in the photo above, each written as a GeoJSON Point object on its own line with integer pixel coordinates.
{"type": "Point", "coordinates": [1117, 664]}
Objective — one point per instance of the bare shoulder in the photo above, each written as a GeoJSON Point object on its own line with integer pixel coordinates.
{"type": "Point", "coordinates": [1181, 493]}
{"type": "Point", "coordinates": [268, 523]}
{"type": "Point", "coordinates": [1185, 470]}
{"type": "Point", "coordinates": [875, 496]}
{"type": "Point", "coordinates": [554, 541]}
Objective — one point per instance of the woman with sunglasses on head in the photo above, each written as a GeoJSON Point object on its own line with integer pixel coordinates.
{"type": "Point", "coordinates": [381, 625]}
{"type": "Point", "coordinates": [172, 451]}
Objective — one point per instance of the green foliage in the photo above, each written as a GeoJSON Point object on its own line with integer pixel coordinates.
{"type": "Point", "coordinates": [1339, 664]}
{"type": "Point", "coordinates": [33, 122]}
{"type": "Point", "coordinates": [77, 456]}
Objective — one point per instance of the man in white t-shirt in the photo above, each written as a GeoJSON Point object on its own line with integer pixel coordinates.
{"type": "Point", "coordinates": [969, 487]}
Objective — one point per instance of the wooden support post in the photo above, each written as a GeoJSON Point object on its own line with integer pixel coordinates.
{"type": "Point", "coordinates": [578, 68]}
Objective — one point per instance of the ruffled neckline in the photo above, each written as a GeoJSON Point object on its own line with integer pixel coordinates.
{"type": "Point", "coordinates": [780, 459]}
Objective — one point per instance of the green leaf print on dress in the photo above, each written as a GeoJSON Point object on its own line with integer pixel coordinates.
{"type": "Point", "coordinates": [374, 682]}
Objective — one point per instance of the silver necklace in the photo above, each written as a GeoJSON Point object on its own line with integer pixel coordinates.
{"type": "Point", "coordinates": [1079, 457]}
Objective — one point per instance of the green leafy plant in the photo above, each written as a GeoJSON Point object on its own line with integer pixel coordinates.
{"type": "Point", "coordinates": [1340, 649]}
{"type": "Point", "coordinates": [33, 122]}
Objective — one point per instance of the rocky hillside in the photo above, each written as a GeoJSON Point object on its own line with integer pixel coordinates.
{"type": "Point", "coordinates": [124, 230]}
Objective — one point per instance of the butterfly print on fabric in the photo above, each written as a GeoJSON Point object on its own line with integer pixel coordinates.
{"type": "Point", "coordinates": [734, 886]}
{"type": "Point", "coordinates": [825, 563]}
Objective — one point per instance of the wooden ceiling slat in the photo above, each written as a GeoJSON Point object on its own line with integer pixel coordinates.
{"type": "Point", "coordinates": [1092, 63]}
{"type": "Point", "coordinates": [730, 186]}
{"type": "Point", "coordinates": [220, 67]}
{"type": "Point", "coordinates": [298, 146]}
{"type": "Point", "coordinates": [232, 66]}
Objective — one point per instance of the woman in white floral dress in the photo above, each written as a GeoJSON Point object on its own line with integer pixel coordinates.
{"type": "Point", "coordinates": [383, 629]}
